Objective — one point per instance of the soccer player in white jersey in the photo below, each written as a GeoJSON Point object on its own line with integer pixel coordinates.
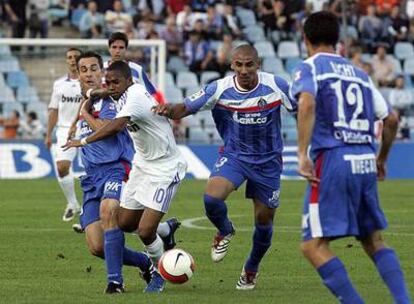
{"type": "Point", "coordinates": [117, 47]}
{"type": "Point", "coordinates": [246, 110]}
{"type": "Point", "coordinates": [63, 108]}
{"type": "Point", "coordinates": [158, 166]}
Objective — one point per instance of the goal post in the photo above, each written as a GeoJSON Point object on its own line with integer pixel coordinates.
{"type": "Point", "coordinates": [158, 57]}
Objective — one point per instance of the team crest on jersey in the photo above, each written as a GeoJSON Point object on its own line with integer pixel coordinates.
{"type": "Point", "coordinates": [262, 103]}
{"type": "Point", "coordinates": [196, 95]}
{"type": "Point", "coordinates": [297, 75]}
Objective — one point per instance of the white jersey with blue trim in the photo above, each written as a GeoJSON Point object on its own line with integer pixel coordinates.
{"type": "Point", "coordinates": [66, 98]}
{"type": "Point", "coordinates": [347, 102]}
{"type": "Point", "coordinates": [248, 121]}
{"type": "Point", "coordinates": [138, 76]}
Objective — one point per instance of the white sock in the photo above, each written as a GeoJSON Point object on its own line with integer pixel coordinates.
{"type": "Point", "coordinates": [163, 229]}
{"type": "Point", "coordinates": [68, 187]}
{"type": "Point", "coordinates": [155, 250]}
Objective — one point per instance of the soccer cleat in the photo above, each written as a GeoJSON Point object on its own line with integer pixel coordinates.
{"type": "Point", "coordinates": [69, 214]}
{"type": "Point", "coordinates": [114, 288]}
{"type": "Point", "coordinates": [247, 280]}
{"type": "Point", "coordinates": [156, 284]}
{"type": "Point", "coordinates": [169, 240]}
{"type": "Point", "coordinates": [77, 228]}
{"type": "Point", "coordinates": [221, 246]}
{"type": "Point", "coordinates": [146, 274]}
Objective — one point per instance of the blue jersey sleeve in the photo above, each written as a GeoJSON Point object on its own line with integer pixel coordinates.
{"type": "Point", "coordinates": [148, 84]}
{"type": "Point", "coordinates": [203, 99]}
{"type": "Point", "coordinates": [289, 103]}
{"type": "Point", "coordinates": [108, 110]}
{"type": "Point", "coordinates": [303, 81]}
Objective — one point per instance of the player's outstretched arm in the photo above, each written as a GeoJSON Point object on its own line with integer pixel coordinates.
{"type": "Point", "coordinates": [305, 121]}
{"type": "Point", "coordinates": [107, 130]}
{"type": "Point", "coordinates": [388, 135]}
{"type": "Point", "coordinates": [173, 111]}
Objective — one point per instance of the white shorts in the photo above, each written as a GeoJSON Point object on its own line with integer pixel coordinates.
{"type": "Point", "coordinates": [153, 186]}
{"type": "Point", "coordinates": [62, 137]}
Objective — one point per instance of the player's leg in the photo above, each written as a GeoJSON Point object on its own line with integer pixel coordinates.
{"type": "Point", "coordinates": [262, 239]}
{"type": "Point", "coordinates": [67, 184]}
{"type": "Point", "coordinates": [331, 270]}
{"type": "Point", "coordinates": [226, 177]}
{"type": "Point", "coordinates": [388, 266]}
{"type": "Point", "coordinates": [329, 213]}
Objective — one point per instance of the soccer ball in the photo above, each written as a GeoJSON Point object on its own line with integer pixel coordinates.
{"type": "Point", "coordinates": [176, 266]}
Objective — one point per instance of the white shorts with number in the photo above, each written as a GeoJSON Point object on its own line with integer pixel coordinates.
{"type": "Point", "coordinates": [62, 137]}
{"type": "Point", "coordinates": [153, 186]}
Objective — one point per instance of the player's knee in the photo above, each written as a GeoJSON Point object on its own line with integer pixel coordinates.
{"type": "Point", "coordinates": [373, 243]}
{"type": "Point", "coordinates": [127, 226]}
{"type": "Point", "coordinates": [96, 249]}
{"type": "Point", "coordinates": [147, 233]}
{"type": "Point", "coordinates": [108, 212]}
{"type": "Point", "coordinates": [62, 170]}
{"type": "Point", "coordinates": [308, 248]}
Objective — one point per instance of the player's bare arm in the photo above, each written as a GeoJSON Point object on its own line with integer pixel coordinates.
{"type": "Point", "coordinates": [107, 130]}
{"type": "Point", "coordinates": [176, 111]}
{"type": "Point", "coordinates": [306, 121]}
{"type": "Point", "coordinates": [51, 123]}
{"type": "Point", "coordinates": [388, 135]}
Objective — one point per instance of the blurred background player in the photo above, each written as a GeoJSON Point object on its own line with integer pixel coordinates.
{"type": "Point", "coordinates": [246, 109]}
{"type": "Point", "coordinates": [107, 164]}
{"type": "Point", "coordinates": [118, 46]}
{"type": "Point", "coordinates": [158, 166]}
{"type": "Point", "coordinates": [63, 109]}
{"type": "Point", "coordinates": [338, 105]}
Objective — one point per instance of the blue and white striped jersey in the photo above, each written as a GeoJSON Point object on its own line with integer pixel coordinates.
{"type": "Point", "coordinates": [347, 102]}
{"type": "Point", "coordinates": [248, 121]}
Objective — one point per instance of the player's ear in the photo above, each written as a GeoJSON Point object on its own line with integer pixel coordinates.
{"type": "Point", "coordinates": [130, 81]}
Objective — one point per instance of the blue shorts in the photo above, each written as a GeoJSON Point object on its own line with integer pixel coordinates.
{"type": "Point", "coordinates": [100, 183]}
{"type": "Point", "coordinates": [345, 202]}
{"type": "Point", "coordinates": [263, 181]}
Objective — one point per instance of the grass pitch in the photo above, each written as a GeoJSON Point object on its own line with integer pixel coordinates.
{"type": "Point", "coordinates": [43, 261]}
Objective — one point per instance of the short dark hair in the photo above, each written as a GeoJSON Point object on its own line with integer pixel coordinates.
{"type": "Point", "coordinates": [32, 115]}
{"type": "Point", "coordinates": [90, 54]}
{"type": "Point", "coordinates": [121, 67]}
{"type": "Point", "coordinates": [246, 48]}
{"type": "Point", "coordinates": [72, 49]}
{"type": "Point", "coordinates": [118, 36]}
{"type": "Point", "coordinates": [322, 28]}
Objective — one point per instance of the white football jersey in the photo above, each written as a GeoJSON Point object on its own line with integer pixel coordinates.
{"type": "Point", "coordinates": [152, 134]}
{"type": "Point", "coordinates": [66, 98]}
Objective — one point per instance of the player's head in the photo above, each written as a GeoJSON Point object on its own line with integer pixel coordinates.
{"type": "Point", "coordinates": [321, 29]}
{"type": "Point", "coordinates": [245, 63]}
{"type": "Point", "coordinates": [118, 45]}
{"type": "Point", "coordinates": [118, 78]}
{"type": "Point", "coordinates": [90, 69]}
{"type": "Point", "coordinates": [71, 55]}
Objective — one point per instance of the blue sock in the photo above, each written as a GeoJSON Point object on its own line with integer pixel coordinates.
{"type": "Point", "coordinates": [113, 247]}
{"type": "Point", "coordinates": [216, 211]}
{"type": "Point", "coordinates": [136, 259]}
{"type": "Point", "coordinates": [335, 277]}
{"type": "Point", "coordinates": [389, 268]}
{"type": "Point", "coordinates": [262, 238]}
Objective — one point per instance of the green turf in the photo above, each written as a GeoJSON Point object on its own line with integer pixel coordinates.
{"type": "Point", "coordinates": [43, 261]}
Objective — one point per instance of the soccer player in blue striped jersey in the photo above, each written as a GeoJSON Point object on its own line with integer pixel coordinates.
{"type": "Point", "coordinates": [337, 107]}
{"type": "Point", "coordinates": [246, 110]}
{"type": "Point", "coordinates": [107, 165]}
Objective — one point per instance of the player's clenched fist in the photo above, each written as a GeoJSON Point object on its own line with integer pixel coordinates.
{"type": "Point", "coordinates": [162, 109]}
